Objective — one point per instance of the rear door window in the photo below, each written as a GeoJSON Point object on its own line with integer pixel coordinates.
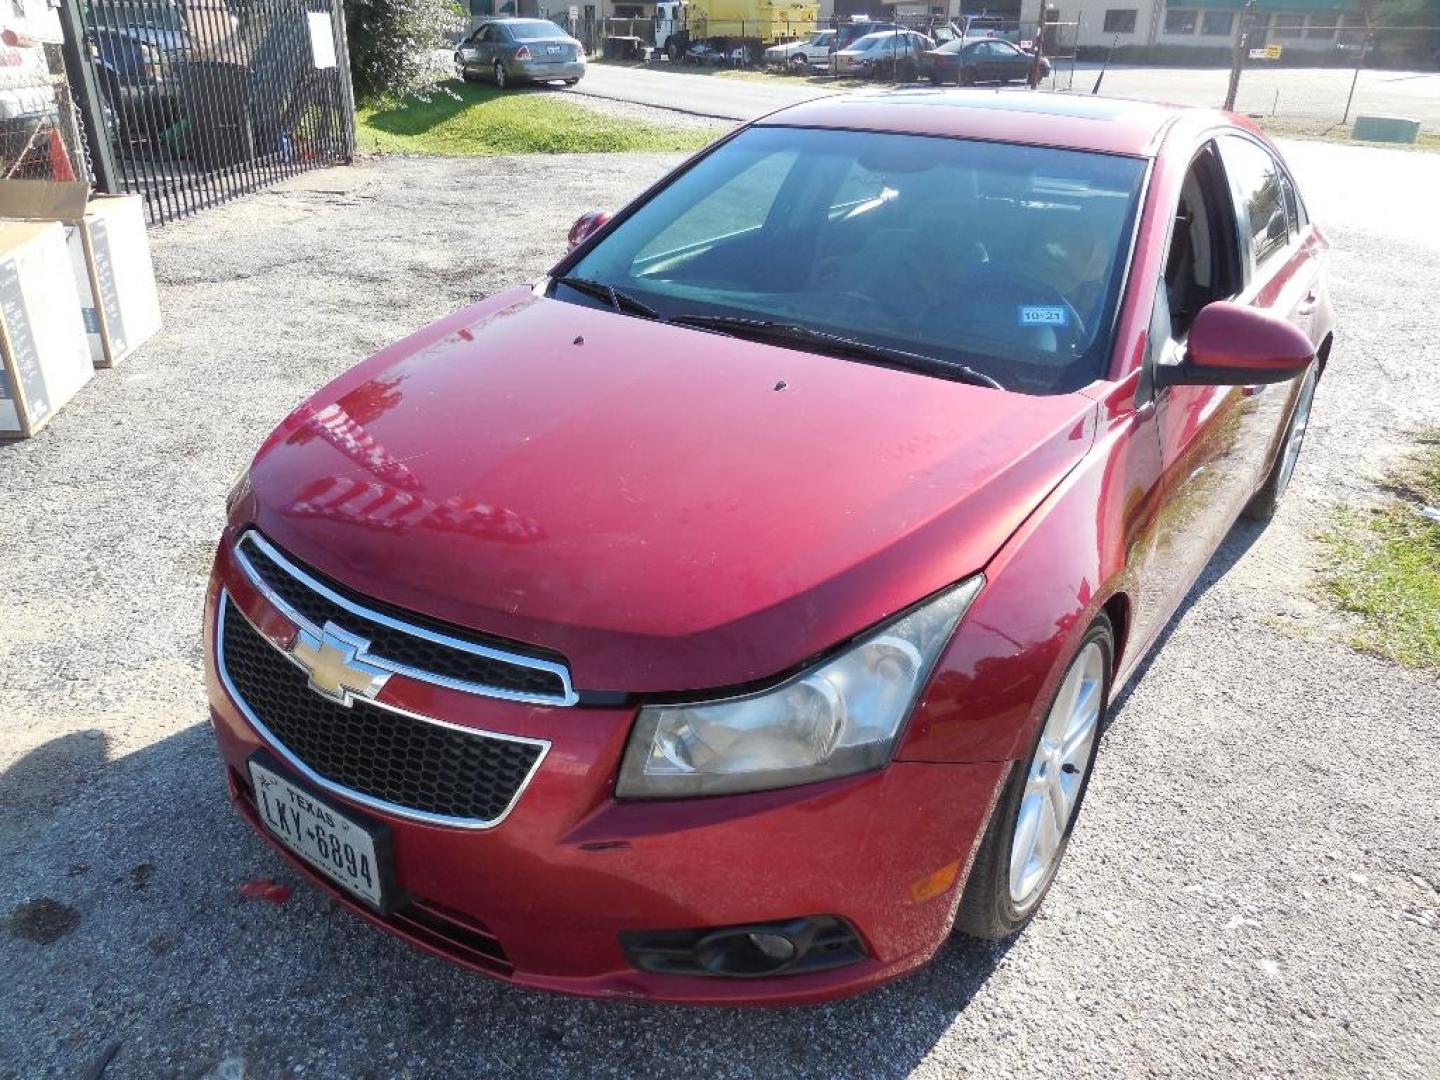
{"type": "Point", "coordinates": [1258, 183]}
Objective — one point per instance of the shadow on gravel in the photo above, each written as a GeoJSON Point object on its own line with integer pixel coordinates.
{"type": "Point", "coordinates": [134, 872]}
{"type": "Point", "coordinates": [47, 776]}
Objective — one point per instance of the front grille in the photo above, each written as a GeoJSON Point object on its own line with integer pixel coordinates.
{"type": "Point", "coordinates": [405, 648]}
{"type": "Point", "coordinates": [401, 760]}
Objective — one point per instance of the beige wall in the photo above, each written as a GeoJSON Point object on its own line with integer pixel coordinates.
{"type": "Point", "coordinates": [1311, 35]}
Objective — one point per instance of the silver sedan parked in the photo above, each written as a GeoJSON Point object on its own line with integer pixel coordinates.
{"type": "Point", "coordinates": [520, 50]}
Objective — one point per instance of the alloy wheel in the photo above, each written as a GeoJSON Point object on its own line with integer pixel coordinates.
{"type": "Point", "coordinates": [1295, 437]}
{"type": "Point", "coordinates": [1056, 776]}
{"type": "Point", "coordinates": [501, 79]}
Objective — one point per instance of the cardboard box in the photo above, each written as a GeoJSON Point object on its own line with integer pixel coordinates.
{"type": "Point", "coordinates": [114, 277]}
{"type": "Point", "coordinates": [44, 358]}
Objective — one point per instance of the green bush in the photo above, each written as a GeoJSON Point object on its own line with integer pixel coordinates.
{"type": "Point", "coordinates": [399, 48]}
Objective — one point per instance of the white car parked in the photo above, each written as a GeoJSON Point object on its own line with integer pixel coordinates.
{"type": "Point", "coordinates": [813, 52]}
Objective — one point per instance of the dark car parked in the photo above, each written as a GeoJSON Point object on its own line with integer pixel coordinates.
{"type": "Point", "coordinates": [987, 60]}
{"type": "Point", "coordinates": [137, 95]}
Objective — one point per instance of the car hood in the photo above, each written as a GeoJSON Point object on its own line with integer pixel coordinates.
{"type": "Point", "coordinates": [667, 508]}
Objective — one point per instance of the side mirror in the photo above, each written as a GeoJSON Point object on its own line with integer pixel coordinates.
{"type": "Point", "coordinates": [1234, 345]}
{"type": "Point", "coordinates": [586, 226]}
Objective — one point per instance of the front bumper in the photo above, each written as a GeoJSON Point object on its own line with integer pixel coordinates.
{"type": "Point", "coordinates": [542, 898]}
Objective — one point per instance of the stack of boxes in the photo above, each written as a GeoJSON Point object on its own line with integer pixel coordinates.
{"type": "Point", "coordinates": [77, 292]}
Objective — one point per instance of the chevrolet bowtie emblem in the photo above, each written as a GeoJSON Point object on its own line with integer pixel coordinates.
{"type": "Point", "coordinates": [336, 671]}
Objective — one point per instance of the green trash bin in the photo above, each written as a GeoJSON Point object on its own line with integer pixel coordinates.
{"type": "Point", "coordinates": [1391, 129]}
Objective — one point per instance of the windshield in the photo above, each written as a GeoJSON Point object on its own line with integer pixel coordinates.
{"type": "Point", "coordinates": [1003, 258]}
{"type": "Point", "coordinates": [539, 30]}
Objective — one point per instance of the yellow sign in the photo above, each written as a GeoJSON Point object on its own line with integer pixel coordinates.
{"type": "Point", "coordinates": [1269, 52]}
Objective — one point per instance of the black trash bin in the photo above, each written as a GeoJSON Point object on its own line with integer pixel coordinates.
{"type": "Point", "coordinates": [215, 97]}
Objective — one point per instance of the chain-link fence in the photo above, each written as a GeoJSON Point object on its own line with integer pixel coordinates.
{"type": "Point", "coordinates": [1388, 71]}
{"type": "Point", "coordinates": [703, 42]}
{"type": "Point", "coordinates": [40, 135]}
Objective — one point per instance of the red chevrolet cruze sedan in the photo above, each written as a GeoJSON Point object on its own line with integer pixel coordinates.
{"type": "Point", "coordinates": [731, 614]}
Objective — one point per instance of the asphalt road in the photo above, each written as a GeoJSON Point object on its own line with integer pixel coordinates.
{"type": "Point", "coordinates": [1253, 887]}
{"type": "Point", "coordinates": [1310, 94]}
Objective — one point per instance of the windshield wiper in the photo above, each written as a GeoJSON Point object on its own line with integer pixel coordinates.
{"type": "Point", "coordinates": [770, 330]}
{"type": "Point", "coordinates": [620, 301]}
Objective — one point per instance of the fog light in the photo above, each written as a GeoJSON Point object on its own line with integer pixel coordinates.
{"type": "Point", "coordinates": [790, 947]}
{"type": "Point", "coordinates": [773, 946]}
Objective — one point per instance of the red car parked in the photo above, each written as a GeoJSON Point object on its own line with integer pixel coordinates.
{"type": "Point", "coordinates": [729, 615]}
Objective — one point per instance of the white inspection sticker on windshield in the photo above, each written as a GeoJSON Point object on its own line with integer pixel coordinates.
{"type": "Point", "coordinates": [1038, 315]}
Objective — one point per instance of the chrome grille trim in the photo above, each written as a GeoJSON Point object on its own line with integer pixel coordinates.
{"type": "Point", "coordinates": [559, 671]}
{"type": "Point", "coordinates": [225, 601]}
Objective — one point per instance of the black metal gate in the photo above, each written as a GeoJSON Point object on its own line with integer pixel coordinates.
{"type": "Point", "coordinates": [193, 102]}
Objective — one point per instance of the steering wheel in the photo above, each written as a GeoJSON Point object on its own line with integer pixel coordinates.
{"type": "Point", "coordinates": [852, 302]}
{"type": "Point", "coordinates": [1003, 300]}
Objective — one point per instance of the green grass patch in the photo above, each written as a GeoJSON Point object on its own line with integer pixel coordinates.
{"type": "Point", "coordinates": [1336, 132]}
{"type": "Point", "coordinates": [465, 119]}
{"type": "Point", "coordinates": [1386, 564]}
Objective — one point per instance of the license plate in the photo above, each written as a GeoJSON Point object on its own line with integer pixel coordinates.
{"type": "Point", "coordinates": [553, 50]}
{"type": "Point", "coordinates": [352, 855]}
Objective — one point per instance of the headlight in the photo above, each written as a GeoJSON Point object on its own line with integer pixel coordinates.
{"type": "Point", "coordinates": [840, 717]}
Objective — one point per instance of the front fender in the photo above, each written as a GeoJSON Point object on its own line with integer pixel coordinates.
{"type": "Point", "coordinates": [1079, 552]}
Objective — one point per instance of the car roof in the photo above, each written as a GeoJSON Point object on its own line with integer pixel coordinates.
{"type": "Point", "coordinates": [881, 35]}
{"type": "Point", "coordinates": [1070, 121]}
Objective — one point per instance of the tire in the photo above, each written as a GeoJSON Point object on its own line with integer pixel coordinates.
{"type": "Point", "coordinates": [1266, 500]}
{"type": "Point", "coordinates": [798, 64]}
{"type": "Point", "coordinates": [999, 900]}
{"type": "Point", "coordinates": [502, 79]}
{"type": "Point", "coordinates": [934, 79]}
{"type": "Point", "coordinates": [571, 82]}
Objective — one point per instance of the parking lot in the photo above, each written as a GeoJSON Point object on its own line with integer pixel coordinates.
{"type": "Point", "coordinates": [1253, 887]}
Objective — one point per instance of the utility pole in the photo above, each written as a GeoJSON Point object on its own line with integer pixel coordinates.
{"type": "Point", "coordinates": [1237, 54]}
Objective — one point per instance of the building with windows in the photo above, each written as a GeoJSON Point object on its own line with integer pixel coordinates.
{"type": "Point", "coordinates": [1160, 29]}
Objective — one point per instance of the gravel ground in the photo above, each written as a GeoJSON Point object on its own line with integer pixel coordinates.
{"type": "Point", "coordinates": [1253, 887]}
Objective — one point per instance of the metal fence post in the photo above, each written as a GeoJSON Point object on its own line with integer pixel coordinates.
{"type": "Point", "coordinates": [85, 91]}
{"type": "Point", "coordinates": [342, 43]}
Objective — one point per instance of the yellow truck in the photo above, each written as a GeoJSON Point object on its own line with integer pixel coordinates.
{"type": "Point", "coordinates": [729, 31]}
